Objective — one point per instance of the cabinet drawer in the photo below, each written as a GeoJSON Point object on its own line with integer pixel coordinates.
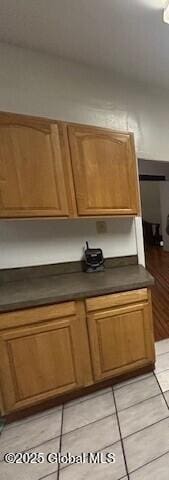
{"type": "Point", "coordinates": [116, 299]}
{"type": "Point", "coordinates": [36, 315]}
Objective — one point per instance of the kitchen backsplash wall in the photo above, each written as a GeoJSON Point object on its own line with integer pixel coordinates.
{"type": "Point", "coordinates": [35, 242]}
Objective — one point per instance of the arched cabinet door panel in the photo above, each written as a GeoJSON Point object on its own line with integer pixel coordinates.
{"type": "Point", "coordinates": [104, 170]}
{"type": "Point", "coordinates": [34, 169]}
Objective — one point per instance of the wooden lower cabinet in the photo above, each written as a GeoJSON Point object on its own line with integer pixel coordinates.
{"type": "Point", "coordinates": [43, 353]}
{"type": "Point", "coordinates": [120, 333]}
{"type": "Point", "coordinates": [49, 351]}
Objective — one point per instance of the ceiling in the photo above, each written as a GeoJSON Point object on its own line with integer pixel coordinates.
{"type": "Point", "coordinates": [127, 36]}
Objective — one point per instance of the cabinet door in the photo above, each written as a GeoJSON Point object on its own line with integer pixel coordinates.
{"type": "Point", "coordinates": [35, 174]}
{"type": "Point", "coordinates": [121, 333]}
{"type": "Point", "coordinates": [104, 169]}
{"type": "Point", "coordinates": [45, 358]}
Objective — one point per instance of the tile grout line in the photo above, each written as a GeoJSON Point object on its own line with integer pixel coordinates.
{"type": "Point", "coordinates": [161, 371]}
{"type": "Point", "coordinates": [139, 403]}
{"type": "Point", "coordinates": [27, 449]}
{"type": "Point", "coordinates": [103, 448]}
{"type": "Point", "coordinates": [128, 382]}
{"type": "Point", "coordinates": [90, 423]}
{"type": "Point", "coordinates": [109, 416]}
{"type": "Point", "coordinates": [39, 415]}
{"type": "Point", "coordinates": [121, 439]}
{"type": "Point", "coordinates": [100, 450]}
{"type": "Point", "coordinates": [48, 412]}
{"type": "Point", "coordinates": [149, 463]}
{"type": "Point", "coordinates": [160, 354]}
{"type": "Point", "coordinates": [86, 399]}
{"type": "Point", "coordinates": [60, 445]}
{"type": "Point", "coordinates": [48, 476]}
{"type": "Point", "coordinates": [46, 441]}
{"type": "Point", "coordinates": [96, 394]}
{"type": "Point", "coordinates": [100, 419]}
{"type": "Point", "coordinates": [36, 446]}
{"type": "Point", "coordinates": [145, 428]}
{"type": "Point", "coordinates": [67, 433]}
{"type": "Point", "coordinates": [161, 391]}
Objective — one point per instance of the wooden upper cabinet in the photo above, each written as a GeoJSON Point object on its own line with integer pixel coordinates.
{"type": "Point", "coordinates": [104, 170]}
{"type": "Point", "coordinates": [35, 173]}
{"type": "Point", "coordinates": [53, 169]}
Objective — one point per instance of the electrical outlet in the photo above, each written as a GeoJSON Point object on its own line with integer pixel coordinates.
{"type": "Point", "coordinates": [101, 227]}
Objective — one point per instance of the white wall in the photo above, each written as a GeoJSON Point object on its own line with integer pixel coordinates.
{"type": "Point", "coordinates": [39, 84]}
{"type": "Point", "coordinates": [33, 242]}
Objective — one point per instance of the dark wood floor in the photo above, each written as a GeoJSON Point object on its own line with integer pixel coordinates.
{"type": "Point", "coordinates": [157, 262]}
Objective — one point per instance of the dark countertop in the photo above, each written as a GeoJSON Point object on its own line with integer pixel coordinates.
{"type": "Point", "coordinates": [30, 292]}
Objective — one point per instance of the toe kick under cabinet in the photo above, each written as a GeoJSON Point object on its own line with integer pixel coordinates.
{"type": "Point", "coordinates": [48, 351]}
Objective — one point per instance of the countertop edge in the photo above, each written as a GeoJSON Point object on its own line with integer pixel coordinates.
{"type": "Point", "coordinates": [65, 297]}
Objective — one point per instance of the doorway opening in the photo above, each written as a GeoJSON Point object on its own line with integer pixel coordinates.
{"type": "Point", "coordinates": [154, 190]}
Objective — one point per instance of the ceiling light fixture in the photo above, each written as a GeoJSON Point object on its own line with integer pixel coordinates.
{"type": "Point", "coordinates": [166, 13]}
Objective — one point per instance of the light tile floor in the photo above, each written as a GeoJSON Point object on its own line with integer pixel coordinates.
{"type": "Point", "coordinates": [130, 420]}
